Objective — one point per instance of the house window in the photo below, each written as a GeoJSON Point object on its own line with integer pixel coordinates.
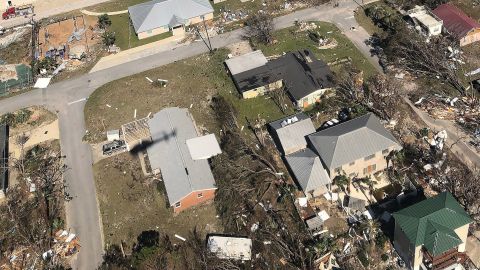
{"type": "Point", "coordinates": [369, 157]}
{"type": "Point", "coordinates": [352, 163]}
{"type": "Point", "coordinates": [369, 169]}
{"type": "Point", "coordinates": [149, 31]}
{"type": "Point", "coordinates": [199, 195]}
{"type": "Point", "coordinates": [352, 175]}
{"type": "Point", "coordinates": [338, 170]}
{"type": "Point", "coordinates": [177, 205]}
{"type": "Point", "coordinates": [385, 152]}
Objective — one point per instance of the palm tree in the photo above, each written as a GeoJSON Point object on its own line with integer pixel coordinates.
{"type": "Point", "coordinates": [343, 182]}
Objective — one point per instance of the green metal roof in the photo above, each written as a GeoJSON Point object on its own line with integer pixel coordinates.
{"type": "Point", "coordinates": [432, 222]}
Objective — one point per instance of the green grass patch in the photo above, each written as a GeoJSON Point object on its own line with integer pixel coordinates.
{"type": "Point", "coordinates": [366, 22]}
{"type": "Point", "coordinates": [290, 39]}
{"type": "Point", "coordinates": [125, 34]}
{"type": "Point", "coordinates": [192, 82]}
{"type": "Point", "coordinates": [115, 5]}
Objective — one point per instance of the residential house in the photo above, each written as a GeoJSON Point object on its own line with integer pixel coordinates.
{"type": "Point", "coordinates": [175, 152]}
{"type": "Point", "coordinates": [289, 132]}
{"type": "Point", "coordinates": [357, 148]}
{"type": "Point", "coordinates": [160, 16]}
{"type": "Point", "coordinates": [456, 23]}
{"type": "Point", "coordinates": [233, 248]}
{"type": "Point", "coordinates": [308, 171]}
{"type": "Point", "coordinates": [432, 234]}
{"type": "Point", "coordinates": [3, 160]}
{"type": "Point", "coordinates": [305, 78]}
{"type": "Point", "coordinates": [428, 23]}
{"type": "Point", "coordinates": [252, 75]}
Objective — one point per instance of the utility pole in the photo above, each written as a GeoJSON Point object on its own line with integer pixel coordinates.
{"type": "Point", "coordinates": [204, 41]}
{"type": "Point", "coordinates": [206, 31]}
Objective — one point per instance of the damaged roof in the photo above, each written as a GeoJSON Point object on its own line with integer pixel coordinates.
{"type": "Point", "coordinates": [302, 74]}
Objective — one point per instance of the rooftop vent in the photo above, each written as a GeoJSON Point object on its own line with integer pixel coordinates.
{"type": "Point", "coordinates": [289, 121]}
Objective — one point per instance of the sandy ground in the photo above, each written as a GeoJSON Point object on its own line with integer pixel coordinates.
{"type": "Point", "coordinates": [37, 135]}
{"type": "Point", "coordinates": [240, 48]}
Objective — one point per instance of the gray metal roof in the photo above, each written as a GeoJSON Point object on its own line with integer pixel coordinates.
{"type": "Point", "coordinates": [291, 133]}
{"type": "Point", "coordinates": [170, 129]}
{"type": "Point", "coordinates": [353, 203]}
{"type": "Point", "coordinates": [315, 223]}
{"type": "Point", "coordinates": [246, 62]}
{"type": "Point", "coordinates": [308, 170]}
{"type": "Point", "coordinates": [159, 13]}
{"type": "Point", "coordinates": [352, 140]}
{"type": "Point", "coordinates": [3, 157]}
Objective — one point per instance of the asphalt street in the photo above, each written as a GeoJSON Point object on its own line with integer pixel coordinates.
{"type": "Point", "coordinates": [68, 99]}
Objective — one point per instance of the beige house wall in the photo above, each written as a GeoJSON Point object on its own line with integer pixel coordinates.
{"type": "Point", "coordinates": [154, 32]}
{"type": "Point", "coordinates": [260, 91]}
{"type": "Point", "coordinates": [199, 19]}
{"type": "Point", "coordinates": [356, 168]}
{"type": "Point", "coordinates": [311, 98]}
{"type": "Point", "coordinates": [471, 37]}
{"type": "Point", "coordinates": [462, 233]}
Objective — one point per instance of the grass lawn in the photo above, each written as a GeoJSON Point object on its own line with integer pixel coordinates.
{"type": "Point", "coordinates": [130, 204]}
{"type": "Point", "coordinates": [114, 5]}
{"type": "Point", "coordinates": [288, 39]}
{"type": "Point", "coordinates": [236, 5]}
{"type": "Point", "coordinates": [191, 81]}
{"type": "Point", "coordinates": [123, 29]}
{"type": "Point", "coordinates": [365, 22]}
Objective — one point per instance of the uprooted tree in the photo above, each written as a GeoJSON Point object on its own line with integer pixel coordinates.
{"type": "Point", "coordinates": [30, 217]}
{"type": "Point", "coordinates": [435, 59]}
{"type": "Point", "coordinates": [260, 27]}
{"type": "Point", "coordinates": [380, 94]}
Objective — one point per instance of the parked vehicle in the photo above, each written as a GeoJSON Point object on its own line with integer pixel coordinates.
{"type": "Point", "coordinates": [112, 147]}
{"type": "Point", "coordinates": [12, 12]}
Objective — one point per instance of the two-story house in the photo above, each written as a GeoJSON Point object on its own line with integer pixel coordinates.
{"type": "Point", "coordinates": [356, 148]}
{"type": "Point", "coordinates": [432, 234]}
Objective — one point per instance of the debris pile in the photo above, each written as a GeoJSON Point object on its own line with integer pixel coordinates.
{"type": "Point", "coordinates": [65, 244]}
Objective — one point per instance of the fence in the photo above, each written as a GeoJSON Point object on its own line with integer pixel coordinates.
{"type": "Point", "coordinates": [24, 79]}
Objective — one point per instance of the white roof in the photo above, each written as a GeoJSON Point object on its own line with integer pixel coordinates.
{"type": "Point", "coordinates": [236, 248]}
{"type": "Point", "coordinates": [203, 147]}
{"type": "Point", "coordinates": [42, 83]}
{"type": "Point", "coordinates": [246, 62]}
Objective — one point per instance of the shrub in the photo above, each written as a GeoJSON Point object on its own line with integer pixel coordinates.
{"type": "Point", "coordinates": [104, 21]}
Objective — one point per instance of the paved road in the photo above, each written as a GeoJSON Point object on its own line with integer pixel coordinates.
{"type": "Point", "coordinates": [68, 99]}
{"type": "Point", "coordinates": [456, 137]}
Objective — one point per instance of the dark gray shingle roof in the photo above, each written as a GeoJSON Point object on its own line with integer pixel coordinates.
{"type": "Point", "coordinates": [352, 140]}
{"type": "Point", "coordinates": [170, 129]}
{"type": "Point", "coordinates": [301, 72]}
